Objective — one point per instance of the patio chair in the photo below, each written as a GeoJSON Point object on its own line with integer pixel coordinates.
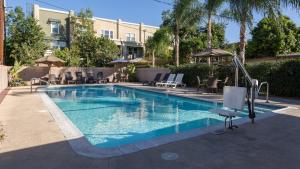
{"type": "Point", "coordinates": [90, 77]}
{"type": "Point", "coordinates": [169, 81]}
{"type": "Point", "coordinates": [234, 101]}
{"type": "Point", "coordinates": [69, 78]}
{"type": "Point", "coordinates": [199, 84]}
{"type": "Point", "coordinates": [79, 78]}
{"type": "Point", "coordinates": [100, 78]}
{"type": "Point", "coordinates": [223, 83]}
{"type": "Point", "coordinates": [177, 81]}
{"type": "Point", "coordinates": [212, 84]}
{"type": "Point", "coordinates": [154, 81]}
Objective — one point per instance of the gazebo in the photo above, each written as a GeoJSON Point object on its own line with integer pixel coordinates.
{"type": "Point", "coordinates": [213, 53]}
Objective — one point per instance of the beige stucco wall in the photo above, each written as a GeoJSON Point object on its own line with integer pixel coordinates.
{"type": "Point", "coordinates": [148, 74]}
{"type": "Point", "coordinates": [38, 72]}
{"type": "Point", "coordinates": [3, 77]}
{"type": "Point", "coordinates": [44, 17]}
{"type": "Point", "coordinates": [143, 74]}
{"type": "Point", "coordinates": [105, 25]}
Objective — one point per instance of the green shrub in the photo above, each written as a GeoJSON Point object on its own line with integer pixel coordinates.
{"type": "Point", "coordinates": [283, 77]}
{"type": "Point", "coordinates": [190, 72]}
{"type": "Point", "coordinates": [131, 71]}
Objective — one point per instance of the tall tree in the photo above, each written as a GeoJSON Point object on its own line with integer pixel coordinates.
{"type": "Point", "coordinates": [25, 40]}
{"type": "Point", "coordinates": [270, 37]}
{"type": "Point", "coordinates": [159, 44]}
{"type": "Point", "coordinates": [91, 50]}
{"type": "Point", "coordinates": [242, 13]}
{"type": "Point", "coordinates": [185, 13]}
{"type": "Point", "coordinates": [212, 7]}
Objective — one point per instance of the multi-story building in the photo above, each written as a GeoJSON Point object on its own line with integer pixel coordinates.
{"type": "Point", "coordinates": [129, 37]}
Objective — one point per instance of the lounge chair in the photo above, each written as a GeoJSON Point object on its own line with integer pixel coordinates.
{"type": "Point", "coordinates": [234, 101]}
{"type": "Point", "coordinates": [100, 78]}
{"type": "Point", "coordinates": [90, 77]}
{"type": "Point", "coordinates": [79, 78]}
{"type": "Point", "coordinates": [69, 78]}
{"type": "Point", "coordinates": [177, 81]}
{"type": "Point", "coordinates": [53, 80]}
{"type": "Point", "coordinates": [169, 81]}
{"type": "Point", "coordinates": [165, 77]}
{"type": "Point", "coordinates": [155, 80]}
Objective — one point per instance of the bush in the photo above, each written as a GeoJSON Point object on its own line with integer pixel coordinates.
{"type": "Point", "coordinates": [283, 77]}
{"type": "Point", "coordinates": [190, 72]}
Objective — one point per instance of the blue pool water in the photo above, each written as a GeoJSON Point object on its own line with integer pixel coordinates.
{"type": "Point", "coordinates": [110, 116]}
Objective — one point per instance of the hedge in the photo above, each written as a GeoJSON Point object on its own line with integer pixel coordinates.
{"type": "Point", "coordinates": [283, 77]}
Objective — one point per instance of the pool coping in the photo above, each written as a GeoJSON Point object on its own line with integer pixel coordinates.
{"type": "Point", "coordinates": [82, 146]}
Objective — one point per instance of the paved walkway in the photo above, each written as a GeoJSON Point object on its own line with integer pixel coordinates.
{"type": "Point", "coordinates": [34, 141]}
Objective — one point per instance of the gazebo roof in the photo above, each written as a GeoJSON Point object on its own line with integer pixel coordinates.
{"type": "Point", "coordinates": [213, 53]}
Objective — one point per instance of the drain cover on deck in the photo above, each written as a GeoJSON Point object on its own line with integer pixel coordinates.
{"type": "Point", "coordinates": [169, 156]}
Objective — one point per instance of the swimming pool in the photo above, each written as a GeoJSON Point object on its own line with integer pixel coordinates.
{"type": "Point", "coordinates": [113, 116]}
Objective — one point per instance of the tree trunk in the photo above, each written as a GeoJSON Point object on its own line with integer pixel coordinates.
{"type": "Point", "coordinates": [209, 32]}
{"type": "Point", "coordinates": [177, 45]}
{"type": "Point", "coordinates": [153, 58]}
{"type": "Point", "coordinates": [209, 35]}
{"type": "Point", "coordinates": [243, 40]}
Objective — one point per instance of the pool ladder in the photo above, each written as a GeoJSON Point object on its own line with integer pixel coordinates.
{"type": "Point", "coordinates": [267, 92]}
{"type": "Point", "coordinates": [32, 81]}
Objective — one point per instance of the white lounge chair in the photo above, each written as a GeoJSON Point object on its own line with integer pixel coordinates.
{"type": "Point", "coordinates": [178, 81]}
{"type": "Point", "coordinates": [234, 101]}
{"type": "Point", "coordinates": [169, 81]}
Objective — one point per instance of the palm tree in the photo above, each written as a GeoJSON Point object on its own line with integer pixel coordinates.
{"type": "Point", "coordinates": [211, 7]}
{"type": "Point", "coordinates": [242, 12]}
{"type": "Point", "coordinates": [185, 13]}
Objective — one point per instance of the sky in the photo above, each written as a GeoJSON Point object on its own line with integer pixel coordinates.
{"type": "Point", "coordinates": [146, 11]}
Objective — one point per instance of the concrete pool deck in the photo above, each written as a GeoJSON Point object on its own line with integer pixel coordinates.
{"type": "Point", "coordinates": [33, 140]}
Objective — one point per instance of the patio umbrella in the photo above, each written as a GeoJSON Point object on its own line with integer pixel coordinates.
{"type": "Point", "coordinates": [208, 53]}
{"type": "Point", "coordinates": [50, 60]}
{"type": "Point", "coordinates": [119, 61]}
{"type": "Point", "coordinates": [139, 60]}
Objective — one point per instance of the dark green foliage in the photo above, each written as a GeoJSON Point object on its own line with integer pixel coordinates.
{"type": "Point", "coordinates": [190, 72]}
{"type": "Point", "coordinates": [283, 77]}
{"type": "Point", "coordinates": [272, 37]}
{"type": "Point", "coordinates": [87, 50]}
{"type": "Point", "coordinates": [131, 71]}
{"type": "Point", "coordinates": [195, 40]}
{"type": "Point", "coordinates": [25, 38]}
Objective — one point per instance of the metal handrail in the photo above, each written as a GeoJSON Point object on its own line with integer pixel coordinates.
{"type": "Point", "coordinates": [40, 80]}
{"type": "Point", "coordinates": [267, 94]}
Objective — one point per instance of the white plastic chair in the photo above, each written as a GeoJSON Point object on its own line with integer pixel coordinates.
{"type": "Point", "coordinates": [178, 81]}
{"type": "Point", "coordinates": [234, 101]}
{"type": "Point", "coordinates": [169, 81]}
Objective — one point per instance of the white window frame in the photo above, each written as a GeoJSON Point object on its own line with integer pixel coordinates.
{"type": "Point", "coordinates": [130, 37]}
{"type": "Point", "coordinates": [52, 26]}
{"type": "Point", "coordinates": [103, 33]}
{"type": "Point", "coordinates": [55, 44]}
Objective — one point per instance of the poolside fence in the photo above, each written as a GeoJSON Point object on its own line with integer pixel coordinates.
{"type": "Point", "coordinates": [143, 74]}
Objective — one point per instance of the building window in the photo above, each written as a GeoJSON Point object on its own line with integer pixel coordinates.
{"type": "Point", "coordinates": [107, 34]}
{"type": "Point", "coordinates": [54, 45]}
{"type": "Point", "coordinates": [55, 27]}
{"type": "Point", "coordinates": [58, 44]}
{"type": "Point", "coordinates": [130, 37]}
